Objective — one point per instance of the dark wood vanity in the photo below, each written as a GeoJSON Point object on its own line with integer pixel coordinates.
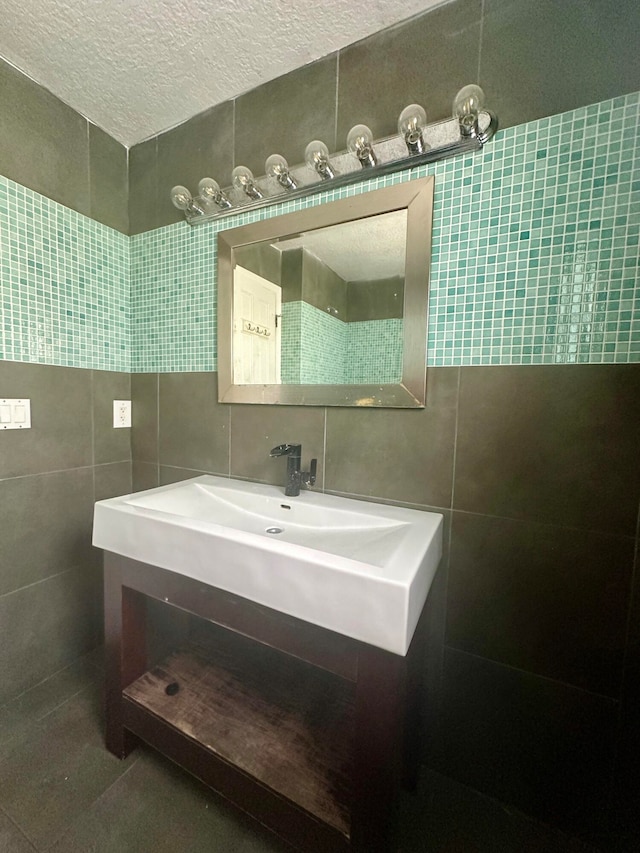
{"type": "Point", "coordinates": [310, 732]}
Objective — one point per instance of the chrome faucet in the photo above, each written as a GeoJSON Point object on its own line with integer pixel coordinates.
{"type": "Point", "coordinates": [295, 477]}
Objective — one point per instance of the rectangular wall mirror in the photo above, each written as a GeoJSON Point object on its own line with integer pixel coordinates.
{"type": "Point", "coordinates": [328, 306]}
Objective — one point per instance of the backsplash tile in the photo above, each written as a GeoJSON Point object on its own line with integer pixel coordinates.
{"type": "Point", "coordinates": [64, 283]}
{"type": "Point", "coordinates": [535, 252]}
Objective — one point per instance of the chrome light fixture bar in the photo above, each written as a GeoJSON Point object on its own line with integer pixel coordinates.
{"type": "Point", "coordinates": [417, 142]}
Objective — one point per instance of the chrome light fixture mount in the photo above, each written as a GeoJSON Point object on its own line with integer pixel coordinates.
{"type": "Point", "coordinates": [416, 143]}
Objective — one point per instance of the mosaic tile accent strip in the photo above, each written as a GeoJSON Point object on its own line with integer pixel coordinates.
{"type": "Point", "coordinates": [535, 255]}
{"type": "Point", "coordinates": [173, 299]}
{"type": "Point", "coordinates": [535, 260]}
{"type": "Point", "coordinates": [535, 252]}
{"type": "Point", "coordinates": [290, 342]}
{"type": "Point", "coordinates": [374, 352]}
{"type": "Point", "coordinates": [323, 345]}
{"type": "Point", "coordinates": [320, 349]}
{"type": "Point", "coordinates": [64, 285]}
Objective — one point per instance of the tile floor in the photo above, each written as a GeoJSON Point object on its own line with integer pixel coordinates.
{"type": "Point", "coordinates": [61, 791]}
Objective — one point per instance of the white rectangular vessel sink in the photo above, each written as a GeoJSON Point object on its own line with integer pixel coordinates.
{"type": "Point", "coordinates": [360, 569]}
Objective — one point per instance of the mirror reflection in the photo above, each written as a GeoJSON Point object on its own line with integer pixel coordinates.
{"type": "Point", "coordinates": [327, 306]}
{"type": "Point", "coordinates": [322, 307]}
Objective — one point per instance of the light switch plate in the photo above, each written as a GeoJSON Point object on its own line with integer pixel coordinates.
{"type": "Point", "coordinates": [121, 413]}
{"type": "Point", "coordinates": [15, 414]}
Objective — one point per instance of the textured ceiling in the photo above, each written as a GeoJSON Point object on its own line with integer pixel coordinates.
{"type": "Point", "coordinates": [137, 67]}
{"type": "Point", "coordinates": [347, 248]}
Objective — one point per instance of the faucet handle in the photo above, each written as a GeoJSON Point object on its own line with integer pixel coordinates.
{"type": "Point", "coordinates": [310, 477]}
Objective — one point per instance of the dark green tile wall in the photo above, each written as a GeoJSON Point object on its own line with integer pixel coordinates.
{"type": "Point", "coordinates": [50, 148]}
{"type": "Point", "coordinates": [533, 59]}
{"type": "Point", "coordinates": [529, 613]}
{"type": "Point", "coordinates": [532, 669]}
{"type": "Point", "coordinates": [50, 475]}
{"type": "Point", "coordinates": [534, 650]}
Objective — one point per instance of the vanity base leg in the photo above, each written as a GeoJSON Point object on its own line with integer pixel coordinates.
{"type": "Point", "coordinates": [413, 733]}
{"type": "Point", "coordinates": [380, 715]}
{"type": "Point", "coordinates": [125, 652]}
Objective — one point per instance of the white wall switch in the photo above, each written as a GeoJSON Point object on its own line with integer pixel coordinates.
{"type": "Point", "coordinates": [15, 414]}
{"type": "Point", "coordinates": [121, 413]}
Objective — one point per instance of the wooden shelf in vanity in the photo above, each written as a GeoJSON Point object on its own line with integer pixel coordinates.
{"type": "Point", "coordinates": [283, 722]}
{"type": "Point", "coordinates": [302, 728]}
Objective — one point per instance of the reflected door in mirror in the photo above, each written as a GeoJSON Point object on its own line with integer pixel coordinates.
{"type": "Point", "coordinates": [256, 330]}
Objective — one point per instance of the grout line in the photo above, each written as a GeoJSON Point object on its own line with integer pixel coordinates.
{"type": "Point", "coordinates": [549, 524]}
{"type": "Point", "coordinates": [324, 451]}
{"type": "Point", "coordinates": [233, 133]}
{"type": "Point", "coordinates": [447, 567]}
{"type": "Point", "coordinates": [20, 830]}
{"type": "Point", "coordinates": [36, 583]}
{"type": "Point", "coordinates": [229, 441]}
{"type": "Point", "coordinates": [89, 187]}
{"type": "Point", "coordinates": [455, 438]}
{"type": "Point", "coordinates": [46, 473]}
{"type": "Point", "coordinates": [633, 594]}
{"type": "Point", "coordinates": [62, 703]}
{"type": "Point", "coordinates": [450, 538]}
{"type": "Point", "coordinates": [48, 678]}
{"type": "Point", "coordinates": [69, 827]}
{"type": "Point", "coordinates": [335, 121]}
{"type": "Point", "coordinates": [482, 14]}
{"type": "Point", "coordinates": [157, 429]}
{"type": "Point", "coordinates": [93, 424]}
{"type": "Point", "coordinates": [567, 684]}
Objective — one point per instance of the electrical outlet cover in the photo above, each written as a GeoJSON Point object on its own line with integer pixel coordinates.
{"type": "Point", "coordinates": [121, 414]}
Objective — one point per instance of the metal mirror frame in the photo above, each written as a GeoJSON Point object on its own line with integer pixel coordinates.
{"type": "Point", "coordinates": [416, 197]}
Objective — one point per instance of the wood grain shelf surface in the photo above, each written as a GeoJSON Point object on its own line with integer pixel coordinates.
{"type": "Point", "coordinates": [280, 720]}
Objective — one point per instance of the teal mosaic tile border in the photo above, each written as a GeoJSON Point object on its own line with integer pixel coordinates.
{"type": "Point", "coordinates": [535, 255]}
{"type": "Point", "coordinates": [173, 299]}
{"type": "Point", "coordinates": [535, 252]}
{"type": "Point", "coordinates": [64, 285]}
{"type": "Point", "coordinates": [535, 260]}
{"type": "Point", "coordinates": [320, 349]}
{"type": "Point", "coordinates": [323, 346]}
{"type": "Point", "coordinates": [374, 352]}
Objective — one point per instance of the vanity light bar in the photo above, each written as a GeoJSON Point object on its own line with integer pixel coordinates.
{"type": "Point", "coordinates": [416, 143]}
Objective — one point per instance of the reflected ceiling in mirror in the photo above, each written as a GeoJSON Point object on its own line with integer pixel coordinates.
{"type": "Point", "coordinates": [328, 306]}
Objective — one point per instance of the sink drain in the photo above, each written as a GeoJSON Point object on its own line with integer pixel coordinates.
{"type": "Point", "coordinates": [274, 530]}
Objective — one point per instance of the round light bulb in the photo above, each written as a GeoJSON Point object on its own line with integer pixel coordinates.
{"type": "Point", "coordinates": [411, 123]}
{"type": "Point", "coordinates": [360, 140]}
{"type": "Point", "coordinates": [209, 189]}
{"type": "Point", "coordinates": [466, 107]}
{"type": "Point", "coordinates": [181, 197]}
{"type": "Point", "coordinates": [360, 143]}
{"type": "Point", "coordinates": [316, 156]}
{"type": "Point", "coordinates": [242, 177]}
{"type": "Point", "coordinates": [275, 166]}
